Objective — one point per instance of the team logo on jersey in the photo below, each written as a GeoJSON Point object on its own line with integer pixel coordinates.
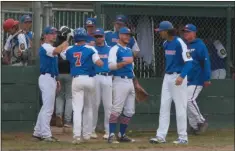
{"type": "Point", "coordinates": [114, 40]}
{"type": "Point", "coordinates": [22, 47]}
{"type": "Point", "coordinates": [103, 56]}
{"type": "Point", "coordinates": [188, 55]}
{"type": "Point", "coordinates": [170, 52]}
{"type": "Point", "coordinates": [191, 50]}
{"type": "Point", "coordinates": [223, 52]}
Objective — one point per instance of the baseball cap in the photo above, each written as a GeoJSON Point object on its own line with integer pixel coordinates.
{"type": "Point", "coordinates": [99, 31]}
{"type": "Point", "coordinates": [190, 28]}
{"type": "Point", "coordinates": [121, 19]}
{"type": "Point", "coordinates": [80, 34]}
{"type": "Point", "coordinates": [50, 30]}
{"type": "Point", "coordinates": [90, 21]}
{"type": "Point", "coordinates": [25, 18]}
{"type": "Point", "coordinates": [125, 30]}
{"type": "Point", "coordinates": [9, 23]}
{"type": "Point", "coordinates": [164, 25]}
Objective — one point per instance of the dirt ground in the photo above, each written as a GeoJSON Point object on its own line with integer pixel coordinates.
{"type": "Point", "coordinates": [222, 140]}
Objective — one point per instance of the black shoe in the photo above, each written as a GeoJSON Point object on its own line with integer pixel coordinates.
{"type": "Point", "coordinates": [112, 139]}
{"type": "Point", "coordinates": [36, 138]}
{"type": "Point", "coordinates": [194, 131]}
{"type": "Point", "coordinates": [203, 127]}
{"type": "Point", "coordinates": [126, 139]}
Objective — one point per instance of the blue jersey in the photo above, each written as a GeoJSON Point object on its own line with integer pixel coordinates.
{"type": "Point", "coordinates": [111, 39]}
{"type": "Point", "coordinates": [81, 59]}
{"type": "Point", "coordinates": [216, 61]}
{"type": "Point", "coordinates": [176, 55]}
{"type": "Point", "coordinates": [118, 54]}
{"type": "Point", "coordinates": [29, 37]}
{"type": "Point", "coordinates": [103, 52]}
{"type": "Point", "coordinates": [201, 71]}
{"type": "Point", "coordinates": [48, 62]}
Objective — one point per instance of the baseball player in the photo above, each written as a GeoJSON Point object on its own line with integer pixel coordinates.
{"type": "Point", "coordinates": [120, 61]}
{"type": "Point", "coordinates": [25, 25]}
{"type": "Point", "coordinates": [90, 26]}
{"type": "Point", "coordinates": [111, 37]}
{"type": "Point", "coordinates": [81, 57]}
{"type": "Point", "coordinates": [16, 43]}
{"type": "Point", "coordinates": [178, 64]}
{"type": "Point", "coordinates": [48, 83]}
{"type": "Point", "coordinates": [198, 77]}
{"type": "Point", "coordinates": [103, 81]}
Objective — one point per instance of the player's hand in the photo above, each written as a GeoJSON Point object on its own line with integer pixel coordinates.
{"type": "Point", "coordinates": [58, 88]}
{"type": "Point", "coordinates": [179, 80]}
{"type": "Point", "coordinates": [207, 83]}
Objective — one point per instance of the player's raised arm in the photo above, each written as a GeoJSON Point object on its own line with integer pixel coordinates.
{"type": "Point", "coordinates": [50, 33]}
{"type": "Point", "coordinates": [64, 53]}
{"type": "Point", "coordinates": [186, 57]}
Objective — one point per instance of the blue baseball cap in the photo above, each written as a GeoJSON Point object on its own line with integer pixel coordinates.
{"type": "Point", "coordinates": [80, 34]}
{"type": "Point", "coordinates": [121, 19]}
{"type": "Point", "coordinates": [125, 30]}
{"type": "Point", "coordinates": [25, 18]}
{"type": "Point", "coordinates": [190, 28]}
{"type": "Point", "coordinates": [90, 21]}
{"type": "Point", "coordinates": [99, 31]}
{"type": "Point", "coordinates": [49, 30]}
{"type": "Point", "coordinates": [164, 25]}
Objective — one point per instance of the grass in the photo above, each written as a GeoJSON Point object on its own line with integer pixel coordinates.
{"type": "Point", "coordinates": [211, 140]}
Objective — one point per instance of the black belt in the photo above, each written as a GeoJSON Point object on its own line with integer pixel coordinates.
{"type": "Point", "coordinates": [82, 75]}
{"type": "Point", "coordinates": [104, 74]}
{"type": "Point", "coordinates": [53, 76]}
{"type": "Point", "coordinates": [126, 77]}
{"type": "Point", "coordinates": [173, 72]}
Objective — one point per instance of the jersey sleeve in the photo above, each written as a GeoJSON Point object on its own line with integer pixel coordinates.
{"type": "Point", "coordinates": [7, 45]}
{"type": "Point", "coordinates": [49, 49]}
{"type": "Point", "coordinates": [112, 59]}
{"type": "Point", "coordinates": [185, 52]}
{"type": "Point", "coordinates": [64, 53]}
{"type": "Point", "coordinates": [22, 42]}
{"type": "Point", "coordinates": [204, 55]}
{"type": "Point", "coordinates": [95, 55]}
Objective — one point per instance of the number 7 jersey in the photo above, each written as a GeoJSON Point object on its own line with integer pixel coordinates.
{"type": "Point", "coordinates": [81, 59]}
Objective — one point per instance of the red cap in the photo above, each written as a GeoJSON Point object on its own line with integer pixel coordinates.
{"type": "Point", "coordinates": [9, 23]}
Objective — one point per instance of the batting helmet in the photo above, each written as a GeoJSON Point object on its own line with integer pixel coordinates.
{"type": "Point", "coordinates": [80, 34]}
{"type": "Point", "coordinates": [9, 23]}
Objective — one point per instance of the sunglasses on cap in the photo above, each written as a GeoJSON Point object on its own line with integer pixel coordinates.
{"type": "Point", "coordinates": [98, 36]}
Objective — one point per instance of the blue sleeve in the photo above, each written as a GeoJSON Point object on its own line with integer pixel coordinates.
{"type": "Point", "coordinates": [187, 67]}
{"type": "Point", "coordinates": [206, 62]}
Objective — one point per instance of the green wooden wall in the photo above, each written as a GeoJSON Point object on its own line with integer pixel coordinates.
{"type": "Point", "coordinates": [20, 102]}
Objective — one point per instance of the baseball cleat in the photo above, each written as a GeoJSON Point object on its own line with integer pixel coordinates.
{"type": "Point", "coordinates": [203, 127]}
{"type": "Point", "coordinates": [94, 135]}
{"type": "Point", "coordinates": [112, 139]}
{"type": "Point", "coordinates": [106, 136]}
{"type": "Point", "coordinates": [76, 140]}
{"type": "Point", "coordinates": [36, 138]}
{"type": "Point", "coordinates": [157, 140]}
{"type": "Point", "coordinates": [126, 139]}
{"type": "Point", "coordinates": [180, 141]}
{"type": "Point", "coordinates": [50, 139]}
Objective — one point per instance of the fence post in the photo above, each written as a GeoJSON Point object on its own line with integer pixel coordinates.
{"type": "Point", "coordinates": [47, 14]}
{"type": "Point", "coordinates": [228, 37]}
{"type": "Point", "coordinates": [97, 10]}
{"type": "Point", "coordinates": [36, 29]}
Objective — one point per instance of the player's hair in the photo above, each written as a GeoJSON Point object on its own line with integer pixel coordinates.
{"type": "Point", "coordinates": [171, 32]}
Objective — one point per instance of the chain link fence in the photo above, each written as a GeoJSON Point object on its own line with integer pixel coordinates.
{"type": "Point", "coordinates": [209, 29]}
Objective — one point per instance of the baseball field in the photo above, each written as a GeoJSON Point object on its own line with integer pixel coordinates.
{"type": "Point", "coordinates": [212, 140]}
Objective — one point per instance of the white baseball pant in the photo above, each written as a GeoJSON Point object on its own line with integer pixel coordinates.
{"type": "Point", "coordinates": [123, 96]}
{"type": "Point", "coordinates": [82, 88]}
{"type": "Point", "coordinates": [47, 85]}
{"type": "Point", "coordinates": [194, 115]}
{"type": "Point", "coordinates": [103, 86]}
{"type": "Point", "coordinates": [218, 74]}
{"type": "Point", "coordinates": [170, 92]}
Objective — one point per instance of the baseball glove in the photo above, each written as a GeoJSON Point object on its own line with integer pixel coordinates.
{"type": "Point", "coordinates": [140, 94]}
